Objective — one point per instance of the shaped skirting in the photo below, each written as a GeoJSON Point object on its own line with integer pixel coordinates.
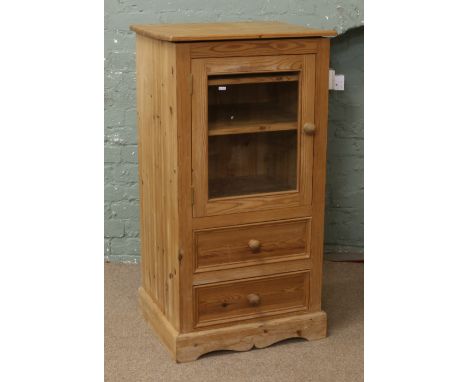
{"type": "Point", "coordinates": [186, 347]}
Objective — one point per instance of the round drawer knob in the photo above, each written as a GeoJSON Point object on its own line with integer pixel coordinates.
{"type": "Point", "coordinates": [309, 128]}
{"type": "Point", "coordinates": [254, 299]}
{"type": "Point", "coordinates": [254, 245]}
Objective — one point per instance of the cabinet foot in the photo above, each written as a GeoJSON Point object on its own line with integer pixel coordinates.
{"type": "Point", "coordinates": [185, 347]}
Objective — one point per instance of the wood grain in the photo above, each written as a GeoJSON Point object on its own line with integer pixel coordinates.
{"type": "Point", "coordinates": [256, 64]}
{"type": "Point", "coordinates": [158, 154]}
{"type": "Point", "coordinates": [265, 125]}
{"type": "Point", "coordinates": [158, 321]}
{"type": "Point", "coordinates": [199, 137]}
{"type": "Point", "coordinates": [184, 151]}
{"type": "Point", "coordinates": [251, 118]}
{"type": "Point", "coordinates": [201, 68]}
{"type": "Point", "coordinates": [307, 107]}
{"type": "Point", "coordinates": [294, 264]}
{"type": "Point", "coordinates": [144, 69]}
{"type": "Point", "coordinates": [185, 347]}
{"type": "Point", "coordinates": [319, 172]}
{"type": "Point", "coordinates": [238, 271]}
{"type": "Point", "coordinates": [253, 48]}
{"type": "Point", "coordinates": [223, 248]}
{"type": "Point", "coordinates": [251, 217]}
{"type": "Point", "coordinates": [228, 31]}
{"type": "Point", "coordinates": [227, 302]}
{"type": "Point", "coordinates": [269, 201]}
{"type": "Point", "coordinates": [169, 178]}
{"type": "Point", "coordinates": [252, 79]}
{"type": "Point", "coordinates": [244, 337]}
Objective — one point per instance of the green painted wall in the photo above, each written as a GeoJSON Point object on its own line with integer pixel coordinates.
{"type": "Point", "coordinates": [344, 189]}
{"type": "Point", "coordinates": [345, 160]}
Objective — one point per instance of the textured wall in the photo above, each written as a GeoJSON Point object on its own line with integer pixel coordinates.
{"type": "Point", "coordinates": [121, 169]}
{"type": "Point", "coordinates": [344, 214]}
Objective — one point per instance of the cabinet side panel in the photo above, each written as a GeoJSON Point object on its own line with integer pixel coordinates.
{"type": "Point", "coordinates": [184, 131]}
{"type": "Point", "coordinates": [158, 174]}
{"type": "Point", "coordinates": [319, 170]}
{"type": "Point", "coordinates": [156, 161]}
{"type": "Point", "coordinates": [146, 125]}
{"type": "Point", "coordinates": [166, 178]}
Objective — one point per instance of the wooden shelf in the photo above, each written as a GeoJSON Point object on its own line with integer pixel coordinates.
{"type": "Point", "coordinates": [252, 79]}
{"type": "Point", "coordinates": [247, 185]}
{"type": "Point", "coordinates": [250, 128]}
{"type": "Point", "coordinates": [250, 119]}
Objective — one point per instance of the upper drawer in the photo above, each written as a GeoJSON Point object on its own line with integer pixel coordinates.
{"type": "Point", "coordinates": [247, 245]}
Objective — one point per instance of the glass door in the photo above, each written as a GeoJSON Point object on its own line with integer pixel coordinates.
{"type": "Point", "coordinates": [252, 134]}
{"type": "Point", "coordinates": [248, 149]}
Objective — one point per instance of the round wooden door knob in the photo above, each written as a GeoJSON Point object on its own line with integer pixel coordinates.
{"type": "Point", "coordinates": [309, 128]}
{"type": "Point", "coordinates": [254, 245]}
{"type": "Point", "coordinates": [254, 299]}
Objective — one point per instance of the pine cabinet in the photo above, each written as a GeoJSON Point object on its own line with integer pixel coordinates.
{"type": "Point", "coordinates": [232, 126]}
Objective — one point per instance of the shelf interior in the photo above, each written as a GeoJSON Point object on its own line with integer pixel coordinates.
{"type": "Point", "coordinates": [247, 185]}
{"type": "Point", "coordinates": [249, 118]}
{"type": "Point", "coordinates": [245, 164]}
{"type": "Point", "coordinates": [252, 103]}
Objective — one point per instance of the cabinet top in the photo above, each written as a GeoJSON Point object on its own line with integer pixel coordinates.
{"type": "Point", "coordinates": [228, 31]}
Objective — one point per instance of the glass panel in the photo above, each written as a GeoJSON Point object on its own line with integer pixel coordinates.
{"type": "Point", "coordinates": [244, 164]}
{"type": "Point", "coordinates": [252, 103]}
{"type": "Point", "coordinates": [252, 128]}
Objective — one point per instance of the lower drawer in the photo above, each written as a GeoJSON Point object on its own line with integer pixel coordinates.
{"type": "Point", "coordinates": [251, 298]}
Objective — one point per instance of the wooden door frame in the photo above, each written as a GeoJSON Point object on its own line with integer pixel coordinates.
{"type": "Point", "coordinates": [203, 67]}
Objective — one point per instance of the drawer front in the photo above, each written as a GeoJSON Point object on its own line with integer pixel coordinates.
{"type": "Point", "coordinates": [222, 248]}
{"type": "Point", "coordinates": [252, 298]}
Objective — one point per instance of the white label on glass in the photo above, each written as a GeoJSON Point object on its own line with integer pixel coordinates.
{"type": "Point", "coordinates": [221, 88]}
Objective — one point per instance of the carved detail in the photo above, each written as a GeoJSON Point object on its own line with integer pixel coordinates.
{"type": "Point", "coordinates": [185, 347]}
{"type": "Point", "coordinates": [261, 336]}
{"type": "Point", "coordinates": [259, 341]}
